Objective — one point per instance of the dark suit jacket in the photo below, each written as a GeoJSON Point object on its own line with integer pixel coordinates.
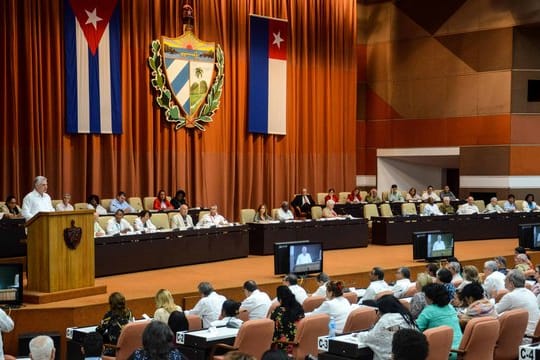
{"type": "Point", "coordinates": [298, 203]}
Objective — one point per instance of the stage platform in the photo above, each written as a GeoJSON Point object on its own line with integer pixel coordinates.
{"type": "Point", "coordinates": [351, 266]}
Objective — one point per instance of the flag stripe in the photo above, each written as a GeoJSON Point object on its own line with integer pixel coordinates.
{"type": "Point", "coordinates": [104, 84]}
{"type": "Point", "coordinates": [258, 75]}
{"type": "Point", "coordinates": [83, 93]}
{"type": "Point", "coordinates": [93, 87]}
{"type": "Point", "coordinates": [71, 70]}
{"type": "Point", "coordinates": [115, 71]}
{"type": "Point", "coordinates": [277, 96]}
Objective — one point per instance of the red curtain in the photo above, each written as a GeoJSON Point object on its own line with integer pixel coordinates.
{"type": "Point", "coordinates": [225, 165]}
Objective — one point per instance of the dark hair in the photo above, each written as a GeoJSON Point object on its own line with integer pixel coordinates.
{"type": "Point", "coordinates": [250, 285]}
{"type": "Point", "coordinates": [437, 294]}
{"type": "Point", "coordinates": [389, 304]}
{"type": "Point", "coordinates": [432, 269]}
{"type": "Point", "coordinates": [274, 354]}
{"type": "Point", "coordinates": [444, 275]}
{"type": "Point", "coordinates": [159, 192]}
{"type": "Point", "coordinates": [511, 196]}
{"type": "Point", "coordinates": [93, 344]}
{"type": "Point", "coordinates": [293, 309]}
{"type": "Point", "coordinates": [157, 341]}
{"type": "Point", "coordinates": [117, 303]}
{"type": "Point", "coordinates": [93, 196]}
{"type": "Point", "coordinates": [178, 321]}
{"type": "Point", "coordinates": [205, 288]}
{"type": "Point", "coordinates": [394, 186]}
{"type": "Point", "coordinates": [322, 277]}
{"type": "Point", "coordinates": [501, 260]}
{"type": "Point", "coordinates": [230, 308]}
{"type": "Point", "coordinates": [405, 272]}
{"type": "Point", "coordinates": [291, 279]}
{"type": "Point", "coordinates": [180, 192]}
{"type": "Point", "coordinates": [520, 250]}
{"type": "Point", "coordinates": [9, 198]}
{"type": "Point", "coordinates": [120, 193]}
{"type": "Point", "coordinates": [529, 196]}
{"type": "Point", "coordinates": [378, 272]}
{"type": "Point", "coordinates": [335, 287]}
{"type": "Point", "coordinates": [474, 290]}
{"type": "Point", "coordinates": [331, 190]}
{"type": "Point", "coordinates": [119, 211]}
{"type": "Point", "coordinates": [409, 344]}
{"type": "Point", "coordinates": [144, 212]}
{"type": "Point", "coordinates": [238, 355]}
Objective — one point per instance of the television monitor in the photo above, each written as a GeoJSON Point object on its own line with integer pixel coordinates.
{"type": "Point", "coordinates": [11, 284]}
{"type": "Point", "coordinates": [298, 257]}
{"type": "Point", "coordinates": [432, 245]}
{"type": "Point", "coordinates": [529, 235]}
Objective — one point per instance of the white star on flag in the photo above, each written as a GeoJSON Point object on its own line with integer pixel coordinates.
{"type": "Point", "coordinates": [277, 39]}
{"type": "Point", "coordinates": [92, 18]}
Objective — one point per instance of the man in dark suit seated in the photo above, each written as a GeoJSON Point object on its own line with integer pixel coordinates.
{"type": "Point", "coordinates": [302, 204]}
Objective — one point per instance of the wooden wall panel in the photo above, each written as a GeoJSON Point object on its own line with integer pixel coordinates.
{"type": "Point", "coordinates": [524, 160]}
{"type": "Point", "coordinates": [525, 129]}
{"type": "Point", "coordinates": [484, 160]}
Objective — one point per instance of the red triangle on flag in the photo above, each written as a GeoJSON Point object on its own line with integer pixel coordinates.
{"type": "Point", "coordinates": [93, 17]}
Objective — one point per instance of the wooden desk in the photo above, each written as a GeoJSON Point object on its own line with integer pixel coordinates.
{"type": "Point", "coordinates": [13, 237]}
{"type": "Point", "coordinates": [197, 345]}
{"type": "Point", "coordinates": [342, 347]}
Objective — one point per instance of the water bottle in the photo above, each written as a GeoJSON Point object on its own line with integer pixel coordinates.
{"type": "Point", "coordinates": [332, 327]}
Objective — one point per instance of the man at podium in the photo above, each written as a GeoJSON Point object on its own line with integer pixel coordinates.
{"type": "Point", "coordinates": [38, 200]}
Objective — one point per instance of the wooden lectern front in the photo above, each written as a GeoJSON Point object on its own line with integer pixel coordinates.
{"type": "Point", "coordinates": [54, 265]}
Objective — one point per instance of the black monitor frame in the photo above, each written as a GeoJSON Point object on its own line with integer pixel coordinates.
{"type": "Point", "coordinates": [7, 271]}
{"type": "Point", "coordinates": [420, 245]}
{"type": "Point", "coordinates": [528, 235]}
{"type": "Point", "coordinates": [282, 258]}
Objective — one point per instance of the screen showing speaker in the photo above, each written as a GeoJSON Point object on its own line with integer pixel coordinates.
{"type": "Point", "coordinates": [301, 257]}
{"type": "Point", "coordinates": [529, 235]}
{"type": "Point", "coordinates": [432, 245]}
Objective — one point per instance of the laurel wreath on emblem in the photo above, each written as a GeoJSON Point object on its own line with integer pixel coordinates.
{"type": "Point", "coordinates": [165, 101]}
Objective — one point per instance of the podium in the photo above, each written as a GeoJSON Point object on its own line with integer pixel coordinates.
{"type": "Point", "coordinates": [57, 268]}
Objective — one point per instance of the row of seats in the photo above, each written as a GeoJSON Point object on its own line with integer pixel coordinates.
{"type": "Point", "coordinates": [342, 196]}
{"type": "Point", "coordinates": [161, 220]}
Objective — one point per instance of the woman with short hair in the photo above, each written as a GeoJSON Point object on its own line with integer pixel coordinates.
{"type": "Point", "coordinates": [157, 344]}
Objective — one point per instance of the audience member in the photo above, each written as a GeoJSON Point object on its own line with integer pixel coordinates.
{"type": "Point", "coordinates": [65, 205]}
{"type": "Point", "coordinates": [120, 203]}
{"type": "Point", "coordinates": [92, 346]}
{"type": "Point", "coordinates": [455, 270]}
{"type": "Point", "coordinates": [209, 306]}
{"type": "Point", "coordinates": [6, 325]}
{"type": "Point", "coordinates": [431, 269]}
{"type": "Point", "coordinates": [522, 263]}
{"type": "Point", "coordinates": [178, 322]}
{"type": "Point", "coordinates": [274, 354]}
{"type": "Point", "coordinates": [229, 315]}
{"type": "Point", "coordinates": [114, 320]}
{"type": "Point", "coordinates": [409, 344]}
{"type": "Point", "coordinates": [179, 199]}
{"type": "Point", "coordinates": [447, 193]}
{"type": "Point", "coordinates": [372, 197]}
{"type": "Point", "coordinates": [412, 195]}
{"type": "Point", "coordinates": [431, 209]}
{"type": "Point", "coordinates": [395, 195]}
{"type": "Point", "coordinates": [536, 287]}
{"type": "Point", "coordinates": [392, 317]}
{"type": "Point", "coordinates": [157, 341]}
{"type": "Point", "coordinates": [501, 264]}
{"type": "Point", "coordinates": [261, 215]}
{"type": "Point", "coordinates": [377, 284]}
{"type": "Point", "coordinates": [161, 202]}
{"type": "Point", "coordinates": [10, 209]}
{"type": "Point", "coordinates": [93, 204]}
{"type": "Point", "coordinates": [493, 207]}
{"type": "Point", "coordinates": [118, 225]}
{"type": "Point", "coordinates": [285, 318]}
{"type": "Point", "coordinates": [42, 348]}
{"type": "Point", "coordinates": [475, 304]}
{"type": "Point", "coordinates": [182, 220]}
{"type": "Point", "coordinates": [328, 212]}
{"type": "Point", "coordinates": [291, 281]}
{"type": "Point", "coordinates": [98, 230]}
{"type": "Point", "coordinates": [470, 275]}
{"type": "Point", "coordinates": [439, 312]}
{"type": "Point", "coordinates": [256, 302]}
{"type": "Point", "coordinates": [403, 282]}
{"type": "Point", "coordinates": [418, 301]}
{"type": "Point", "coordinates": [354, 197]}
{"type": "Point", "coordinates": [322, 280]}
{"type": "Point", "coordinates": [164, 305]}
{"type": "Point", "coordinates": [331, 196]}
{"type": "Point", "coordinates": [444, 277]}
{"type": "Point", "coordinates": [429, 193]}
{"type": "Point", "coordinates": [302, 204]}
{"type": "Point", "coordinates": [142, 222]}
{"type": "Point", "coordinates": [212, 218]}
{"type": "Point", "coordinates": [493, 279]}
{"type": "Point", "coordinates": [238, 355]}
{"type": "Point", "coordinates": [38, 200]}
{"type": "Point", "coordinates": [519, 298]}
{"type": "Point", "coordinates": [468, 208]}
{"type": "Point", "coordinates": [445, 207]}
{"type": "Point", "coordinates": [529, 204]}
{"type": "Point", "coordinates": [335, 305]}
{"type": "Point", "coordinates": [284, 213]}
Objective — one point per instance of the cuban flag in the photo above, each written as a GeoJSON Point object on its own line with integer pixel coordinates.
{"type": "Point", "coordinates": [92, 42]}
{"type": "Point", "coordinates": [268, 75]}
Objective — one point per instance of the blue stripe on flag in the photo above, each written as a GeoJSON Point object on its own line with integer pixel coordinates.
{"type": "Point", "coordinates": [116, 86]}
{"type": "Point", "coordinates": [71, 69]}
{"type": "Point", "coordinates": [258, 75]}
{"type": "Point", "coordinates": [181, 79]}
{"type": "Point", "coordinates": [93, 90]}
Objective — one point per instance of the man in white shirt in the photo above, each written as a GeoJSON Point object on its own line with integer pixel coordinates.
{"type": "Point", "coordinates": [212, 219]}
{"type": "Point", "coordinates": [439, 244]}
{"type": "Point", "coordinates": [431, 209]}
{"type": "Point", "coordinates": [6, 325]}
{"type": "Point", "coordinates": [519, 298]}
{"type": "Point", "coordinates": [65, 205]}
{"type": "Point", "coordinates": [429, 193]}
{"type": "Point", "coordinates": [468, 208]}
{"type": "Point", "coordinates": [38, 200]}
{"type": "Point", "coordinates": [304, 257]}
{"type": "Point", "coordinates": [493, 207]}
{"type": "Point", "coordinates": [377, 285]}
{"type": "Point", "coordinates": [256, 302]}
{"type": "Point", "coordinates": [42, 348]}
{"type": "Point", "coordinates": [209, 307]}
{"type": "Point", "coordinates": [120, 203]}
{"type": "Point", "coordinates": [291, 281]}
{"type": "Point", "coordinates": [182, 220]}
{"type": "Point", "coordinates": [494, 279]}
{"type": "Point", "coordinates": [403, 282]}
{"type": "Point", "coordinates": [322, 280]}
{"type": "Point", "coordinates": [118, 225]}
{"type": "Point", "coordinates": [284, 213]}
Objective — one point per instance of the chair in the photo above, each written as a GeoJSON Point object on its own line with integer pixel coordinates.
{"type": "Point", "coordinates": [202, 213]}
{"type": "Point", "coordinates": [480, 204]}
{"type": "Point", "coordinates": [273, 306]}
{"type": "Point", "coordinates": [386, 210]}
{"type": "Point", "coordinates": [439, 341]}
{"type": "Point", "coordinates": [80, 206]}
{"type": "Point", "coordinates": [194, 322]}
{"type": "Point", "coordinates": [479, 338]}
{"type": "Point", "coordinates": [421, 208]}
{"type": "Point", "coordinates": [519, 205]}
{"type": "Point", "coordinates": [384, 196]}
{"type": "Point", "coordinates": [500, 294]}
{"type": "Point", "coordinates": [106, 203]}
{"type": "Point", "coordinates": [254, 338]}
{"type": "Point", "coordinates": [370, 210]}
{"type": "Point", "coordinates": [351, 296]}
{"type": "Point", "coordinates": [308, 331]}
{"type": "Point", "coordinates": [135, 203]}
{"type": "Point", "coordinates": [9, 357]}
{"type": "Point", "coordinates": [536, 335]}
{"type": "Point", "coordinates": [360, 319]}
{"type": "Point", "coordinates": [316, 212]}
{"type": "Point", "coordinates": [501, 203]}
{"type": "Point", "coordinates": [513, 324]}
{"type": "Point", "coordinates": [161, 220]}
{"type": "Point", "coordinates": [274, 214]}
{"type": "Point", "coordinates": [103, 220]}
{"type": "Point", "coordinates": [343, 197]}
{"type": "Point", "coordinates": [320, 198]}
{"type": "Point", "coordinates": [129, 340]}
{"type": "Point", "coordinates": [312, 302]}
{"type": "Point", "coordinates": [55, 202]}
{"type": "Point", "coordinates": [408, 209]}
{"type": "Point", "coordinates": [148, 202]}
{"type": "Point", "coordinates": [247, 215]}
{"type": "Point", "coordinates": [363, 194]}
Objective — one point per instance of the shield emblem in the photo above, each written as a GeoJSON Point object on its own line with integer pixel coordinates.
{"type": "Point", "coordinates": [190, 70]}
{"type": "Point", "coordinates": [72, 236]}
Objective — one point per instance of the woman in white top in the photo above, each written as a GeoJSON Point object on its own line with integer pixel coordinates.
{"type": "Point", "coordinates": [229, 313]}
{"type": "Point", "coordinates": [529, 204]}
{"type": "Point", "coordinates": [164, 306]}
{"type": "Point", "coordinates": [412, 195]}
{"type": "Point", "coordinates": [336, 305]}
{"type": "Point", "coordinates": [93, 204]}
{"type": "Point", "coordinates": [393, 317]}
{"type": "Point", "coordinates": [143, 223]}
